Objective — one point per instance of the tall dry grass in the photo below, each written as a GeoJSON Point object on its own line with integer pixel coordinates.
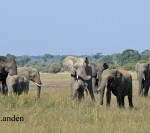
{"type": "Point", "coordinates": [57, 112]}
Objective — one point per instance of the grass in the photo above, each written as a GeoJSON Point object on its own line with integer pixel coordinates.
{"type": "Point", "coordinates": [57, 112]}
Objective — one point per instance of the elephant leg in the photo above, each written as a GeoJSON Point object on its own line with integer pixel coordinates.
{"type": "Point", "coordinates": [93, 84]}
{"type": "Point", "coordinates": [4, 88]}
{"type": "Point", "coordinates": [81, 94]}
{"type": "Point", "coordinates": [108, 97]}
{"type": "Point", "coordinates": [130, 101]}
{"type": "Point", "coordinates": [146, 89]}
{"type": "Point", "coordinates": [75, 94]}
{"type": "Point", "coordinates": [91, 92]}
{"type": "Point", "coordinates": [10, 91]}
{"type": "Point", "coordinates": [26, 90]}
{"type": "Point", "coordinates": [119, 101]}
{"type": "Point", "coordinates": [119, 96]}
{"type": "Point", "coordinates": [123, 101]}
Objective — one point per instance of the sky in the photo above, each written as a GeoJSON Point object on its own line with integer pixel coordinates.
{"type": "Point", "coordinates": [73, 27]}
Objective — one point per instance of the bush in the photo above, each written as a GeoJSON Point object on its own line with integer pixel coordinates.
{"type": "Point", "coordinates": [55, 67]}
{"type": "Point", "coordinates": [129, 66]}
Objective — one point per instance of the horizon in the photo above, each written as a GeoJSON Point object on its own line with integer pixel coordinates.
{"type": "Point", "coordinates": [77, 54]}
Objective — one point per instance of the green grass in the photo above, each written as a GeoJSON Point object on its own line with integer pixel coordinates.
{"type": "Point", "coordinates": [57, 112]}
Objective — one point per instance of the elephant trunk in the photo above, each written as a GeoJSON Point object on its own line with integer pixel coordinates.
{"type": "Point", "coordinates": [39, 84]}
{"type": "Point", "coordinates": [38, 91]}
{"type": "Point", "coordinates": [102, 90]}
{"type": "Point", "coordinates": [82, 73]}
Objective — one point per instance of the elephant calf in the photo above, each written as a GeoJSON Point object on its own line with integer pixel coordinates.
{"type": "Point", "coordinates": [78, 89]}
{"type": "Point", "coordinates": [119, 82]}
{"type": "Point", "coordinates": [17, 84]}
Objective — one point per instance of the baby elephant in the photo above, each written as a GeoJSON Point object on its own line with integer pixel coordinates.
{"type": "Point", "coordinates": [78, 89]}
{"type": "Point", "coordinates": [119, 82]}
{"type": "Point", "coordinates": [17, 84]}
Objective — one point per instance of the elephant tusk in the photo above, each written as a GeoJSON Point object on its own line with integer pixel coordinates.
{"type": "Point", "coordinates": [39, 85]}
{"type": "Point", "coordinates": [9, 76]}
{"type": "Point", "coordinates": [77, 77]}
{"type": "Point", "coordinates": [97, 76]}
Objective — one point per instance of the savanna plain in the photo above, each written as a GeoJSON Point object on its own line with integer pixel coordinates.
{"type": "Point", "coordinates": [57, 112]}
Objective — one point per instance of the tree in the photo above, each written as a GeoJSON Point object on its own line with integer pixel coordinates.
{"type": "Point", "coordinates": [129, 56]}
{"type": "Point", "coordinates": [47, 57]}
{"type": "Point", "coordinates": [22, 60]}
{"type": "Point", "coordinates": [97, 56]}
{"type": "Point", "coordinates": [11, 56]}
{"type": "Point", "coordinates": [55, 67]}
{"type": "Point", "coordinates": [145, 55]}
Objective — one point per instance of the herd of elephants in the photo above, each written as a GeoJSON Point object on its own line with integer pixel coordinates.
{"type": "Point", "coordinates": [89, 77]}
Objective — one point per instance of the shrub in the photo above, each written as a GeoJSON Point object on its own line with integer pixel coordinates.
{"type": "Point", "coordinates": [129, 66]}
{"type": "Point", "coordinates": [55, 67]}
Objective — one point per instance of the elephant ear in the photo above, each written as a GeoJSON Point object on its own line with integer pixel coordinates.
{"type": "Point", "coordinates": [33, 73]}
{"type": "Point", "coordinates": [69, 62]}
{"type": "Point", "coordinates": [148, 67]}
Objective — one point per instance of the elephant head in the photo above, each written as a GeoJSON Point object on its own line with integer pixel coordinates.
{"type": "Point", "coordinates": [97, 70]}
{"type": "Point", "coordinates": [143, 76]}
{"type": "Point", "coordinates": [33, 75]}
{"type": "Point", "coordinates": [110, 79]}
{"type": "Point", "coordinates": [78, 67]}
{"type": "Point", "coordinates": [9, 65]}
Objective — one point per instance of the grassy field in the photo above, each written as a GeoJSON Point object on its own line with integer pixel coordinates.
{"type": "Point", "coordinates": [56, 112]}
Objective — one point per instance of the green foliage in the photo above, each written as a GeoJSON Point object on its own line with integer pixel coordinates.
{"type": "Point", "coordinates": [53, 63]}
{"type": "Point", "coordinates": [108, 59]}
{"type": "Point", "coordinates": [129, 56]}
{"type": "Point", "coordinates": [128, 66]}
{"type": "Point", "coordinates": [11, 56]}
{"type": "Point", "coordinates": [145, 55]}
{"type": "Point", "coordinates": [97, 56]}
{"type": "Point", "coordinates": [47, 57]}
{"type": "Point", "coordinates": [22, 60]}
{"type": "Point", "coordinates": [55, 67]}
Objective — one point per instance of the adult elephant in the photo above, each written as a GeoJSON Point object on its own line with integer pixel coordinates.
{"type": "Point", "coordinates": [119, 83]}
{"type": "Point", "coordinates": [143, 76]}
{"type": "Point", "coordinates": [97, 70]}
{"type": "Point", "coordinates": [79, 68]}
{"type": "Point", "coordinates": [7, 65]}
{"type": "Point", "coordinates": [17, 84]}
{"type": "Point", "coordinates": [32, 74]}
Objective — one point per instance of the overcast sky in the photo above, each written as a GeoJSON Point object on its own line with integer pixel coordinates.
{"type": "Point", "coordinates": [35, 27]}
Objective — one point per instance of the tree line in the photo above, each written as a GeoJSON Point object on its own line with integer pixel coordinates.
{"type": "Point", "coordinates": [53, 63]}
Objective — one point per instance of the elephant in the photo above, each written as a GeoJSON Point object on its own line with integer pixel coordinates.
{"type": "Point", "coordinates": [17, 84]}
{"type": "Point", "coordinates": [7, 66]}
{"type": "Point", "coordinates": [79, 87]}
{"type": "Point", "coordinates": [97, 69]}
{"type": "Point", "coordinates": [32, 74]}
{"type": "Point", "coordinates": [79, 68]}
{"type": "Point", "coordinates": [119, 82]}
{"type": "Point", "coordinates": [143, 76]}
